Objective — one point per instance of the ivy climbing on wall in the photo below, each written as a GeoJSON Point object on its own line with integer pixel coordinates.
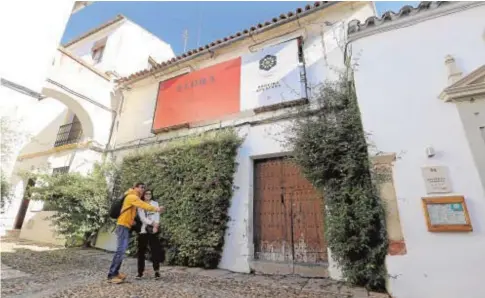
{"type": "Point", "coordinates": [193, 179]}
{"type": "Point", "coordinates": [331, 149]}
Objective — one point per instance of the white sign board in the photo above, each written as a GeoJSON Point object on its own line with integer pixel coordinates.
{"type": "Point", "coordinates": [271, 76]}
{"type": "Point", "coordinates": [436, 179]}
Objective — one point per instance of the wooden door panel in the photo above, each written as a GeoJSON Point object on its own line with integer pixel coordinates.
{"type": "Point", "coordinates": [288, 218]}
{"type": "Point", "coordinates": [272, 236]}
{"type": "Point", "coordinates": [308, 233]}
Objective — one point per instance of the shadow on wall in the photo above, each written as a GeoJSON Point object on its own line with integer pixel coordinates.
{"type": "Point", "coordinates": [323, 62]}
{"type": "Point", "coordinates": [76, 107]}
{"type": "Point", "coordinates": [45, 139]}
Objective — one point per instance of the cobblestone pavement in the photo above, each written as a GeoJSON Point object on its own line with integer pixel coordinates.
{"type": "Point", "coordinates": [33, 270]}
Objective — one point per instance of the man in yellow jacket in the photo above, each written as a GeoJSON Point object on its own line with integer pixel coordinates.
{"type": "Point", "coordinates": [123, 226]}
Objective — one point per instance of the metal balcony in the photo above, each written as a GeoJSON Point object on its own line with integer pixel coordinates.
{"type": "Point", "coordinates": [69, 134]}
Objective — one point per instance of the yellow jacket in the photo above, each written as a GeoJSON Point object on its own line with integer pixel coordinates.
{"type": "Point", "coordinates": [128, 210]}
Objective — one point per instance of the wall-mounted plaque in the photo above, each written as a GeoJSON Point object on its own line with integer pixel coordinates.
{"type": "Point", "coordinates": [447, 214]}
{"type": "Point", "coordinates": [436, 179]}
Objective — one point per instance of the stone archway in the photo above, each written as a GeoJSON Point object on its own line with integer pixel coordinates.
{"type": "Point", "coordinates": [87, 109]}
{"type": "Point", "coordinates": [74, 105]}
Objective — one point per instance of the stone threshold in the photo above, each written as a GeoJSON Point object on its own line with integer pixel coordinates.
{"type": "Point", "coordinates": [289, 268]}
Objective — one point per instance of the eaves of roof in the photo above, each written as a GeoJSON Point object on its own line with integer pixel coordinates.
{"type": "Point", "coordinates": [258, 28]}
{"type": "Point", "coordinates": [95, 30]}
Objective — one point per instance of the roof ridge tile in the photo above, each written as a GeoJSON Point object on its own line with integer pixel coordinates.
{"type": "Point", "coordinates": [356, 26]}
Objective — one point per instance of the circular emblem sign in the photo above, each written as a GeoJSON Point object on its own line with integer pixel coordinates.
{"type": "Point", "coordinates": [268, 62]}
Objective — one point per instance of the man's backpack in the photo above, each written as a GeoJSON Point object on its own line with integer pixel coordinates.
{"type": "Point", "coordinates": [115, 210]}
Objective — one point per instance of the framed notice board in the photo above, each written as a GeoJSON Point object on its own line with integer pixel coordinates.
{"type": "Point", "coordinates": [447, 214]}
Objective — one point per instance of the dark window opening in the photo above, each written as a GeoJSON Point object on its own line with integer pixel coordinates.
{"type": "Point", "coordinates": [300, 50]}
{"type": "Point", "coordinates": [97, 54]}
{"type": "Point", "coordinates": [97, 50]}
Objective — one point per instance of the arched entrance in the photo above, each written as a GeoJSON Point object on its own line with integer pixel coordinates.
{"type": "Point", "coordinates": [75, 106]}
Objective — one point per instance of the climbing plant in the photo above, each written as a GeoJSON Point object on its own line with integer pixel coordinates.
{"type": "Point", "coordinates": [81, 202]}
{"type": "Point", "coordinates": [330, 146]}
{"type": "Point", "coordinates": [193, 179]}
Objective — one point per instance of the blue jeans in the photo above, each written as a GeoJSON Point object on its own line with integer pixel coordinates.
{"type": "Point", "coordinates": [123, 236]}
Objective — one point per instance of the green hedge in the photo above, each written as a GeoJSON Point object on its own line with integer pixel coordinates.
{"type": "Point", "coordinates": [193, 179]}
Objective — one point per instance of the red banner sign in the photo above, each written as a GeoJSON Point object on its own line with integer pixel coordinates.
{"type": "Point", "coordinates": [205, 94]}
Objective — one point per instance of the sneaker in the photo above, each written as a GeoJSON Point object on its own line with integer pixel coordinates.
{"type": "Point", "coordinates": [157, 275]}
{"type": "Point", "coordinates": [139, 276]}
{"type": "Point", "coordinates": [115, 280]}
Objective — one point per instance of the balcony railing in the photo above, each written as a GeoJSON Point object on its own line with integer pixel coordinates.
{"type": "Point", "coordinates": [69, 134]}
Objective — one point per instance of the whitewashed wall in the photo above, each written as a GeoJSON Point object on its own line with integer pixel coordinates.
{"type": "Point", "coordinates": [85, 87]}
{"type": "Point", "coordinates": [84, 47]}
{"type": "Point", "coordinates": [398, 80]}
{"type": "Point", "coordinates": [136, 45]}
{"type": "Point", "coordinates": [37, 121]}
{"type": "Point", "coordinates": [127, 49]}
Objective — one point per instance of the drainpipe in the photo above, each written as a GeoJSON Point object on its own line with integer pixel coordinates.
{"type": "Point", "coordinates": [116, 114]}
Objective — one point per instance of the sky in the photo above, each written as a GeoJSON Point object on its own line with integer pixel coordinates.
{"type": "Point", "coordinates": [205, 21]}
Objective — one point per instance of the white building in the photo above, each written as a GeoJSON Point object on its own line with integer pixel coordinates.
{"type": "Point", "coordinates": [421, 84]}
{"type": "Point", "coordinates": [68, 123]}
{"type": "Point", "coordinates": [245, 80]}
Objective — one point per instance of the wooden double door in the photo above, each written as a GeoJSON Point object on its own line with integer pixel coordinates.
{"type": "Point", "coordinates": [288, 214]}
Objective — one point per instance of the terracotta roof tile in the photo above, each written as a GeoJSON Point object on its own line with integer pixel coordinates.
{"type": "Point", "coordinates": [356, 26]}
{"type": "Point", "coordinates": [290, 15]}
